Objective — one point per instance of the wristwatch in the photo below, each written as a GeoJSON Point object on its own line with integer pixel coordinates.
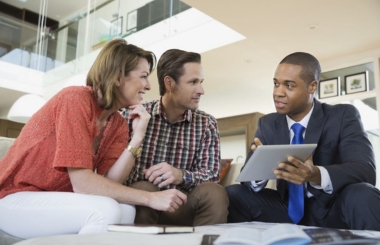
{"type": "Point", "coordinates": [186, 177]}
{"type": "Point", "coordinates": [135, 152]}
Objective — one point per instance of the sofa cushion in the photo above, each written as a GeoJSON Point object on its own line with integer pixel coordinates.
{"type": "Point", "coordinates": [6, 239]}
{"type": "Point", "coordinates": [232, 174]}
{"type": "Point", "coordinates": [5, 143]}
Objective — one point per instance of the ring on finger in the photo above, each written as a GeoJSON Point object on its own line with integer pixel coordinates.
{"type": "Point", "coordinates": [161, 178]}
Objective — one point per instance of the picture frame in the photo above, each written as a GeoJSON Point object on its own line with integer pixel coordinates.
{"type": "Point", "coordinates": [329, 88]}
{"type": "Point", "coordinates": [356, 83]}
{"type": "Point", "coordinates": [132, 21]}
{"type": "Point", "coordinates": [116, 27]}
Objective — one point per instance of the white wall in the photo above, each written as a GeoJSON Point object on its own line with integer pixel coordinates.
{"type": "Point", "coordinates": [233, 147]}
{"type": "Point", "coordinates": [20, 78]}
{"type": "Point", "coordinates": [352, 60]}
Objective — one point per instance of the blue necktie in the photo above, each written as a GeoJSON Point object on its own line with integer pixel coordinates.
{"type": "Point", "coordinates": [296, 192]}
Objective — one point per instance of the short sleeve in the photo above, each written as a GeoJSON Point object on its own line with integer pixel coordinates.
{"type": "Point", "coordinates": [73, 116]}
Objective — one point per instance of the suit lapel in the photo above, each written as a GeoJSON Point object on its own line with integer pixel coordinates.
{"type": "Point", "coordinates": [281, 131]}
{"type": "Point", "coordinates": [282, 137]}
{"type": "Point", "coordinates": [316, 124]}
{"type": "Point", "coordinates": [314, 127]}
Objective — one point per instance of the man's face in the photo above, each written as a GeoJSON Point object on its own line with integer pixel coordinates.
{"type": "Point", "coordinates": [292, 96]}
{"type": "Point", "coordinates": [187, 92]}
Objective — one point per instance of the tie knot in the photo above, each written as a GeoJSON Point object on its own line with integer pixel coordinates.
{"type": "Point", "coordinates": [297, 128]}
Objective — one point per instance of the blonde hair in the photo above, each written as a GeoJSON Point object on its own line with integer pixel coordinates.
{"type": "Point", "coordinates": [116, 58]}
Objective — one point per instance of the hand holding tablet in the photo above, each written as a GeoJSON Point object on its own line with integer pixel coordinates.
{"type": "Point", "coordinates": [265, 159]}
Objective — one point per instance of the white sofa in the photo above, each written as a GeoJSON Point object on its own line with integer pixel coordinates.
{"type": "Point", "coordinates": [5, 143]}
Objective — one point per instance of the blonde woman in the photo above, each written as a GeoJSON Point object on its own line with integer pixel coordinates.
{"type": "Point", "coordinates": [64, 172]}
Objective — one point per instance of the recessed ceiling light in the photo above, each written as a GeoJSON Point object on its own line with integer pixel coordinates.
{"type": "Point", "coordinates": [23, 1]}
{"type": "Point", "coordinates": [312, 27]}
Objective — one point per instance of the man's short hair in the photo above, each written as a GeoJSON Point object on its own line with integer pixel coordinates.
{"type": "Point", "coordinates": [171, 64]}
{"type": "Point", "coordinates": [311, 70]}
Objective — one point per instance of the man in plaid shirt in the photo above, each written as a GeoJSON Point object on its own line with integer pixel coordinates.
{"type": "Point", "coordinates": [181, 147]}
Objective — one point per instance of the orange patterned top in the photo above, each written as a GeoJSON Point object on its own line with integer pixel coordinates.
{"type": "Point", "coordinates": [58, 136]}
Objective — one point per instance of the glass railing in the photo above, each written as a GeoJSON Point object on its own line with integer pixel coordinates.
{"type": "Point", "coordinates": [69, 50]}
{"type": "Point", "coordinates": [72, 47]}
{"type": "Point", "coordinates": [91, 31]}
{"type": "Point", "coordinates": [86, 32]}
{"type": "Point", "coordinates": [15, 38]}
{"type": "Point", "coordinates": [19, 44]}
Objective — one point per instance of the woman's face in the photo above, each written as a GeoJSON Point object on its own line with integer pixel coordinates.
{"type": "Point", "coordinates": [135, 84]}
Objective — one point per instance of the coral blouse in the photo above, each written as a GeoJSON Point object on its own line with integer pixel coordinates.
{"type": "Point", "coordinates": [58, 136]}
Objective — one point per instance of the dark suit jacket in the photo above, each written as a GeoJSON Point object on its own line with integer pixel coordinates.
{"type": "Point", "coordinates": [343, 147]}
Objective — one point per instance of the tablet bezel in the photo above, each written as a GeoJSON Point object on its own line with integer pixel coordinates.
{"type": "Point", "coordinates": [265, 159]}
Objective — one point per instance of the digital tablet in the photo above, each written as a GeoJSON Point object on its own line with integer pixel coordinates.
{"type": "Point", "coordinates": [265, 159]}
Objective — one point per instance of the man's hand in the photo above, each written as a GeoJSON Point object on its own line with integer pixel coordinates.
{"type": "Point", "coordinates": [298, 172]}
{"type": "Point", "coordinates": [257, 142]}
{"type": "Point", "coordinates": [168, 200]}
{"type": "Point", "coordinates": [163, 174]}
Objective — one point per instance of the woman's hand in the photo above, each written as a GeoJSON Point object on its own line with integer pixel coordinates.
{"type": "Point", "coordinates": [168, 200]}
{"type": "Point", "coordinates": [140, 121]}
{"type": "Point", "coordinates": [85, 181]}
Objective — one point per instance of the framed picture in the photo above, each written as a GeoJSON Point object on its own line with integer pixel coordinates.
{"type": "Point", "coordinates": [116, 27]}
{"type": "Point", "coordinates": [131, 20]}
{"type": "Point", "coordinates": [356, 83]}
{"type": "Point", "coordinates": [329, 88]}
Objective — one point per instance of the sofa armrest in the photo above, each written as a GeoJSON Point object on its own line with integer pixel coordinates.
{"type": "Point", "coordinates": [6, 239]}
{"type": "Point", "coordinates": [5, 144]}
{"type": "Point", "coordinates": [232, 174]}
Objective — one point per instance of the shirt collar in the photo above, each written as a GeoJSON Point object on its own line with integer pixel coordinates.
{"type": "Point", "coordinates": [158, 110]}
{"type": "Point", "coordinates": [304, 120]}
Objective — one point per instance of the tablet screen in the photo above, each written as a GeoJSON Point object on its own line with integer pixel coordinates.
{"type": "Point", "coordinates": [264, 160]}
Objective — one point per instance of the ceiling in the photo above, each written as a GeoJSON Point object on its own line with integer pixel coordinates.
{"type": "Point", "coordinates": [238, 77]}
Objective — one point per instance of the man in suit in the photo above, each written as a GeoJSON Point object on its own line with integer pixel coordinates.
{"type": "Point", "coordinates": [336, 182]}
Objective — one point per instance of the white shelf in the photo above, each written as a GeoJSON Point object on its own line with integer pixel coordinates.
{"type": "Point", "coordinates": [349, 97]}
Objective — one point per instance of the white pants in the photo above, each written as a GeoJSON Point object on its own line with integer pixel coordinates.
{"type": "Point", "coordinates": [34, 214]}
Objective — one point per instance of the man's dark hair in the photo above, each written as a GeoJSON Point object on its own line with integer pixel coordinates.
{"type": "Point", "coordinates": [171, 64]}
{"type": "Point", "coordinates": [311, 70]}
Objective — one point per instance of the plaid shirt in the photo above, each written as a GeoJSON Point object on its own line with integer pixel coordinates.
{"type": "Point", "coordinates": [191, 144]}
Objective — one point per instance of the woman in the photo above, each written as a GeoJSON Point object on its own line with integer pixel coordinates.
{"type": "Point", "coordinates": [64, 172]}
